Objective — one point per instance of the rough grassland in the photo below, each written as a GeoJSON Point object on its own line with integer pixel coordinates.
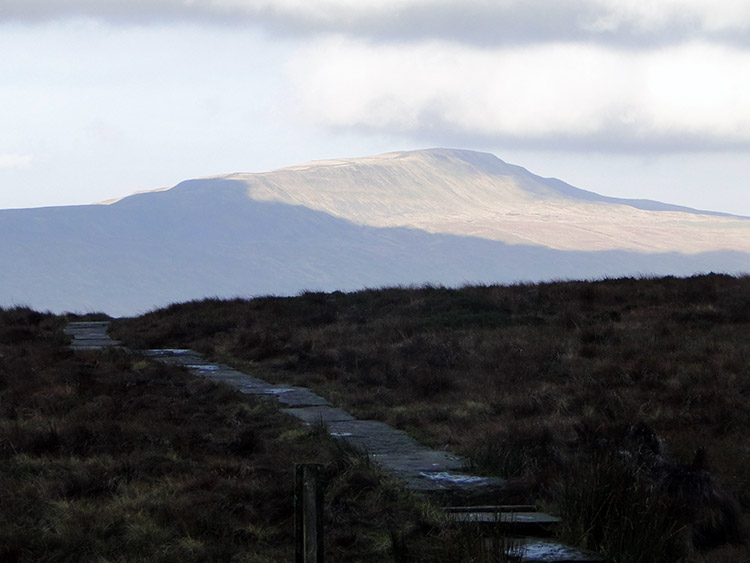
{"type": "Point", "coordinates": [105, 456]}
{"type": "Point", "coordinates": [621, 404]}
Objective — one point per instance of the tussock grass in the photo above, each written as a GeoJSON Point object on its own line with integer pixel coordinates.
{"type": "Point", "coordinates": [528, 381]}
{"type": "Point", "coordinates": [105, 456]}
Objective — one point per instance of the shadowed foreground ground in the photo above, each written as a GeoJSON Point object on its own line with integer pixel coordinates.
{"type": "Point", "coordinates": [614, 401]}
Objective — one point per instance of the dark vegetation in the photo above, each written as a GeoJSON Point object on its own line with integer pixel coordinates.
{"type": "Point", "coordinates": [105, 456]}
{"type": "Point", "coordinates": [621, 405]}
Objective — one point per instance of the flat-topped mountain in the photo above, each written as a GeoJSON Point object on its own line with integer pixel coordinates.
{"type": "Point", "coordinates": [476, 194]}
{"type": "Point", "coordinates": [435, 216]}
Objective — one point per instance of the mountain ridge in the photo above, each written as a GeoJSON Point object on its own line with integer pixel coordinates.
{"type": "Point", "coordinates": [211, 237]}
{"type": "Point", "coordinates": [467, 155]}
{"type": "Point", "coordinates": [467, 193]}
{"type": "Point", "coordinates": [493, 165]}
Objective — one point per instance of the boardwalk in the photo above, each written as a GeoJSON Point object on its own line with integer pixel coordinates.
{"type": "Point", "coordinates": [436, 473]}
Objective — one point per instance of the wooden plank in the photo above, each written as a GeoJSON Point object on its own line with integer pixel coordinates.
{"type": "Point", "coordinates": [308, 513]}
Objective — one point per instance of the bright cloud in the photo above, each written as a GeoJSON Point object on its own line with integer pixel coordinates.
{"type": "Point", "coordinates": [158, 90]}
{"type": "Point", "coordinates": [684, 96]}
{"type": "Point", "coordinates": [14, 160]}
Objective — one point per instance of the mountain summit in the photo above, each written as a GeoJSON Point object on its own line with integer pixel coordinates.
{"type": "Point", "coordinates": [470, 193]}
{"type": "Point", "coordinates": [434, 216]}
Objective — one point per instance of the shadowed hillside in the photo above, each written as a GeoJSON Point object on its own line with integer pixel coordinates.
{"type": "Point", "coordinates": [423, 217]}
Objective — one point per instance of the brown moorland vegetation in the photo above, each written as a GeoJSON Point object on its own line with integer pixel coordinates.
{"type": "Point", "coordinates": [620, 404]}
{"type": "Point", "coordinates": [106, 456]}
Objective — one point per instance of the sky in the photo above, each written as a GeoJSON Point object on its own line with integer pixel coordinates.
{"type": "Point", "coordinates": [627, 98]}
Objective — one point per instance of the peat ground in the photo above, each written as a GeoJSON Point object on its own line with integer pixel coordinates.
{"type": "Point", "coordinates": [620, 405]}
{"type": "Point", "coordinates": [107, 456]}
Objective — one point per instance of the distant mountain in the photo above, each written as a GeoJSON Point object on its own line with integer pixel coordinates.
{"type": "Point", "coordinates": [436, 216]}
{"type": "Point", "coordinates": [476, 194]}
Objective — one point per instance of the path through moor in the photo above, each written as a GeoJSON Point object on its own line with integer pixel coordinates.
{"type": "Point", "coordinates": [435, 473]}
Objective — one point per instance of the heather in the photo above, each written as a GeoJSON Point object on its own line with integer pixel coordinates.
{"type": "Point", "coordinates": [620, 404]}
{"type": "Point", "coordinates": [107, 456]}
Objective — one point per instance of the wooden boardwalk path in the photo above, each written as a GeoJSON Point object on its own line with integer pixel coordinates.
{"type": "Point", "coordinates": [436, 473]}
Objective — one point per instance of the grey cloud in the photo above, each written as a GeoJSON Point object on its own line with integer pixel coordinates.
{"type": "Point", "coordinates": [512, 23]}
{"type": "Point", "coordinates": [110, 11]}
{"type": "Point", "coordinates": [433, 130]}
{"type": "Point", "coordinates": [469, 21]}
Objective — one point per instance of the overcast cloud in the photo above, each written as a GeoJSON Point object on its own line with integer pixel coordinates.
{"type": "Point", "coordinates": [690, 96]}
{"type": "Point", "coordinates": [484, 21]}
{"type": "Point", "coordinates": [159, 90]}
{"type": "Point", "coordinates": [498, 70]}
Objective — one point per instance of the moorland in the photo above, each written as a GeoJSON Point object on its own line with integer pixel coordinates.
{"type": "Point", "coordinates": [619, 404]}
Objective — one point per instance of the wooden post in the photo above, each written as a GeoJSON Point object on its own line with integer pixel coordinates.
{"type": "Point", "coordinates": [308, 513]}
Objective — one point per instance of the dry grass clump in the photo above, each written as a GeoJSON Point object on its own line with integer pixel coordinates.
{"type": "Point", "coordinates": [506, 375]}
{"type": "Point", "coordinates": [108, 457]}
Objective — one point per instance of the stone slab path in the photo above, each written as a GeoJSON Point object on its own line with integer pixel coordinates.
{"type": "Point", "coordinates": [90, 335]}
{"type": "Point", "coordinates": [439, 474]}
{"type": "Point", "coordinates": [423, 469]}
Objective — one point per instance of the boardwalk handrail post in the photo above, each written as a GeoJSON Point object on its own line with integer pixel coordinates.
{"type": "Point", "coordinates": [308, 513]}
